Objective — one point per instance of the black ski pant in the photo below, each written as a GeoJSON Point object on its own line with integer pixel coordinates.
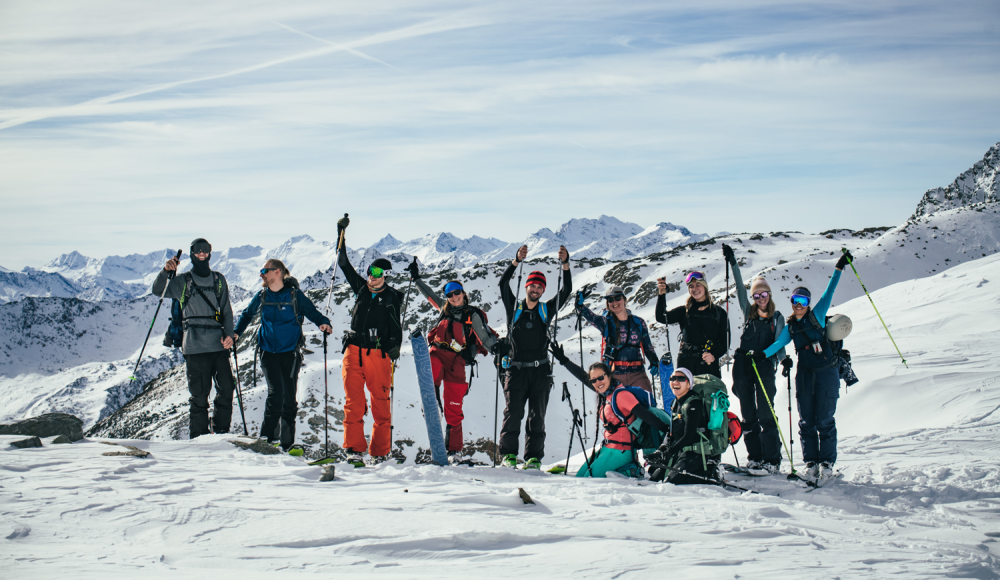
{"type": "Point", "coordinates": [697, 365]}
{"type": "Point", "coordinates": [281, 371]}
{"type": "Point", "coordinates": [202, 369]}
{"type": "Point", "coordinates": [760, 431]}
{"type": "Point", "coordinates": [532, 386]}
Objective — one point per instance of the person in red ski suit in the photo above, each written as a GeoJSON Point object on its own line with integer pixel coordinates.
{"type": "Point", "coordinates": [460, 334]}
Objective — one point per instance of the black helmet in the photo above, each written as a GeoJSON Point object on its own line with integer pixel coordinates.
{"type": "Point", "coordinates": [380, 263]}
{"type": "Point", "coordinates": [200, 245]}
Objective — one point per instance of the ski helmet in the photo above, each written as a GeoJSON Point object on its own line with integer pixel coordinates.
{"type": "Point", "coordinates": [201, 245]}
{"type": "Point", "coordinates": [838, 327]}
{"type": "Point", "coordinates": [380, 263]}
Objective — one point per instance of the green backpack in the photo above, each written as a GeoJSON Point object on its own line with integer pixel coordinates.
{"type": "Point", "coordinates": [715, 397]}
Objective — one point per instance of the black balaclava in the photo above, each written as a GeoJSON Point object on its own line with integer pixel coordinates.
{"type": "Point", "coordinates": [198, 267]}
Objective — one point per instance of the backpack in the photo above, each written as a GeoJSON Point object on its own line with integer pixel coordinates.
{"type": "Point", "coordinates": [293, 285]}
{"type": "Point", "coordinates": [543, 311]}
{"type": "Point", "coordinates": [715, 397]}
{"type": "Point", "coordinates": [190, 289]}
{"type": "Point", "coordinates": [609, 344]}
{"type": "Point", "coordinates": [175, 331]}
{"type": "Point", "coordinates": [643, 435]}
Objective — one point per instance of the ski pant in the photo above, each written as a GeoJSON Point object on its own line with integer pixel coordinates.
{"type": "Point", "coordinates": [694, 363]}
{"type": "Point", "coordinates": [202, 368]}
{"type": "Point", "coordinates": [816, 392]}
{"type": "Point", "coordinates": [634, 378]}
{"type": "Point", "coordinates": [760, 430]}
{"type": "Point", "coordinates": [607, 459]}
{"type": "Point", "coordinates": [697, 471]}
{"type": "Point", "coordinates": [281, 371]}
{"type": "Point", "coordinates": [454, 395]}
{"type": "Point", "coordinates": [529, 386]}
{"type": "Point", "coordinates": [372, 369]}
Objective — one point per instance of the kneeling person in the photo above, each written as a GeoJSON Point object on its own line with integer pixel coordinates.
{"type": "Point", "coordinates": [682, 460]}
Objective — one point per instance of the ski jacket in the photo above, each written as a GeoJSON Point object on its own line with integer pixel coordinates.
{"type": "Point", "coordinates": [688, 415]}
{"type": "Point", "coordinates": [758, 333]}
{"type": "Point", "coordinates": [620, 397]}
{"type": "Point", "coordinates": [808, 331]}
{"type": "Point", "coordinates": [698, 327]}
{"type": "Point", "coordinates": [205, 309]}
{"type": "Point", "coordinates": [466, 326]}
{"type": "Point", "coordinates": [528, 334]}
{"type": "Point", "coordinates": [624, 342]}
{"type": "Point", "coordinates": [375, 318]}
{"type": "Point", "coordinates": [280, 328]}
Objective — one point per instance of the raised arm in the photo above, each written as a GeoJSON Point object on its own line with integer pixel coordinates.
{"type": "Point", "coordinates": [352, 276]}
{"type": "Point", "coordinates": [572, 367]}
{"type": "Point", "coordinates": [823, 305]}
{"type": "Point", "coordinates": [783, 339]}
{"type": "Point", "coordinates": [431, 296]}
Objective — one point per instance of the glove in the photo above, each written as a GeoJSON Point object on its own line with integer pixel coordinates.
{"type": "Point", "coordinates": [758, 356]}
{"type": "Point", "coordinates": [393, 353]}
{"type": "Point", "coordinates": [557, 351]}
{"type": "Point", "coordinates": [413, 269]}
{"type": "Point", "coordinates": [658, 457]}
{"type": "Point", "coordinates": [581, 296]}
{"type": "Point", "coordinates": [342, 224]}
{"type": "Point", "coordinates": [654, 370]}
{"type": "Point", "coordinates": [786, 366]}
{"type": "Point", "coordinates": [727, 251]}
{"type": "Point", "coordinates": [844, 260]}
{"type": "Point", "coordinates": [500, 348]}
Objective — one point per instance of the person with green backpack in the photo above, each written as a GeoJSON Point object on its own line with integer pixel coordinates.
{"type": "Point", "coordinates": [630, 417]}
{"type": "Point", "coordinates": [699, 431]}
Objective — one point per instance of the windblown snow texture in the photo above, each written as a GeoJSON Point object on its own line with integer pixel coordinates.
{"type": "Point", "coordinates": [425, 379]}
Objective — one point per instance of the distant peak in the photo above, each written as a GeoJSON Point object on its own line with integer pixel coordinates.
{"type": "Point", "coordinates": [72, 261]}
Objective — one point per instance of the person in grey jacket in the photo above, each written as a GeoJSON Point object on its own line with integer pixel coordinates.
{"type": "Point", "coordinates": [207, 319]}
{"type": "Point", "coordinates": [761, 327]}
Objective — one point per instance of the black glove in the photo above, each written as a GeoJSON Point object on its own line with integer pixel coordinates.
{"type": "Point", "coordinates": [393, 353]}
{"type": "Point", "coordinates": [758, 356]}
{"type": "Point", "coordinates": [844, 260]}
{"type": "Point", "coordinates": [413, 269]}
{"type": "Point", "coordinates": [342, 224]}
{"type": "Point", "coordinates": [658, 457]}
{"type": "Point", "coordinates": [786, 366]}
{"type": "Point", "coordinates": [557, 351]}
{"type": "Point", "coordinates": [500, 348]}
{"type": "Point", "coordinates": [727, 251]}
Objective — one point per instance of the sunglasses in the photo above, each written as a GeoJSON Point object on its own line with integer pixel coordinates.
{"type": "Point", "coordinates": [800, 300]}
{"type": "Point", "coordinates": [376, 272]}
{"type": "Point", "coordinates": [694, 276]}
{"type": "Point", "coordinates": [761, 295]}
{"type": "Point", "coordinates": [264, 271]}
{"type": "Point", "coordinates": [596, 380]}
{"type": "Point", "coordinates": [611, 299]}
{"type": "Point", "coordinates": [453, 293]}
{"type": "Point", "coordinates": [678, 379]}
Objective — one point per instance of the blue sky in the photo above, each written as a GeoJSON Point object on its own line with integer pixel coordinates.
{"type": "Point", "coordinates": [132, 126]}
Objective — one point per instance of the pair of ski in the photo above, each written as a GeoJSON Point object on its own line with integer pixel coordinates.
{"type": "Point", "coordinates": [811, 483]}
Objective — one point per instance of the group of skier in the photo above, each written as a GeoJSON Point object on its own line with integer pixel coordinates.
{"type": "Point", "coordinates": [677, 441]}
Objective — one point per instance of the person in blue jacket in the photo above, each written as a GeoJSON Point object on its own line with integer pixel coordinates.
{"type": "Point", "coordinates": [817, 376]}
{"type": "Point", "coordinates": [281, 306]}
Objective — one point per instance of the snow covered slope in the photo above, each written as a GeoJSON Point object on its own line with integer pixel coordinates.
{"type": "Point", "coordinates": [920, 496]}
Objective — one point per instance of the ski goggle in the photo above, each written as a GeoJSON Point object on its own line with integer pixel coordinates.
{"type": "Point", "coordinates": [264, 271]}
{"type": "Point", "coordinates": [800, 300]}
{"type": "Point", "coordinates": [376, 272]}
{"type": "Point", "coordinates": [694, 276]}
{"type": "Point", "coordinates": [761, 295]}
{"type": "Point", "coordinates": [201, 248]}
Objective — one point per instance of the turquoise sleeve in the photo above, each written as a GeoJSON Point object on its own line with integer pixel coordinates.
{"type": "Point", "coordinates": [823, 305]}
{"type": "Point", "coordinates": [783, 339]}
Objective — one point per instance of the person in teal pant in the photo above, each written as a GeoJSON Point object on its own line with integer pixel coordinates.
{"type": "Point", "coordinates": [817, 377]}
{"type": "Point", "coordinates": [619, 408]}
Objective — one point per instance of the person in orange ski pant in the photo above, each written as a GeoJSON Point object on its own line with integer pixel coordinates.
{"type": "Point", "coordinates": [367, 368]}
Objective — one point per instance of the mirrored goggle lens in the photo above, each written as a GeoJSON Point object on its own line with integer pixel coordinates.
{"type": "Point", "coordinates": [376, 272]}
{"type": "Point", "coordinates": [761, 295]}
{"type": "Point", "coordinates": [694, 276]}
{"type": "Point", "coordinates": [800, 300]}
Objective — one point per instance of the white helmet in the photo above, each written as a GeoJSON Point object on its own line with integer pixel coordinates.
{"type": "Point", "coordinates": [838, 327]}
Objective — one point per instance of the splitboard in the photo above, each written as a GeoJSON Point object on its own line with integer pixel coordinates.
{"type": "Point", "coordinates": [425, 378]}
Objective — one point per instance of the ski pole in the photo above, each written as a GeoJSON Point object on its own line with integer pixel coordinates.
{"type": "Point", "coordinates": [729, 330]}
{"type": "Point", "coordinates": [170, 275]}
{"type": "Point", "coordinates": [849, 261]}
{"type": "Point", "coordinates": [791, 462]}
{"type": "Point", "coordinates": [239, 393]}
{"type": "Point", "coordinates": [326, 411]}
{"type": "Point", "coordinates": [787, 371]}
{"type": "Point", "coordinates": [333, 277]}
{"type": "Point", "coordinates": [576, 423]}
{"type": "Point", "coordinates": [496, 407]}
{"type": "Point", "coordinates": [583, 387]}
{"type": "Point", "coordinates": [720, 482]}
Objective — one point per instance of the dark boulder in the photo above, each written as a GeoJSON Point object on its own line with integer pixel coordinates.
{"type": "Point", "coordinates": [47, 425]}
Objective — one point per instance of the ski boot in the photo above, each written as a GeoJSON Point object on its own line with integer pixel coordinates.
{"type": "Point", "coordinates": [533, 463]}
{"type": "Point", "coordinates": [771, 468]}
{"type": "Point", "coordinates": [296, 450]}
{"type": "Point", "coordinates": [374, 460]}
{"type": "Point", "coordinates": [356, 459]}
{"type": "Point", "coordinates": [509, 460]}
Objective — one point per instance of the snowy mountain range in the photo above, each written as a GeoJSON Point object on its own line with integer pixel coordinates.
{"type": "Point", "coordinates": [42, 367]}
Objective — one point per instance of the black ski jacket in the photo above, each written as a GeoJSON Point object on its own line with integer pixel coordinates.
{"type": "Point", "coordinates": [529, 339]}
{"type": "Point", "coordinates": [375, 319]}
{"type": "Point", "coordinates": [697, 328]}
{"type": "Point", "coordinates": [684, 427]}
